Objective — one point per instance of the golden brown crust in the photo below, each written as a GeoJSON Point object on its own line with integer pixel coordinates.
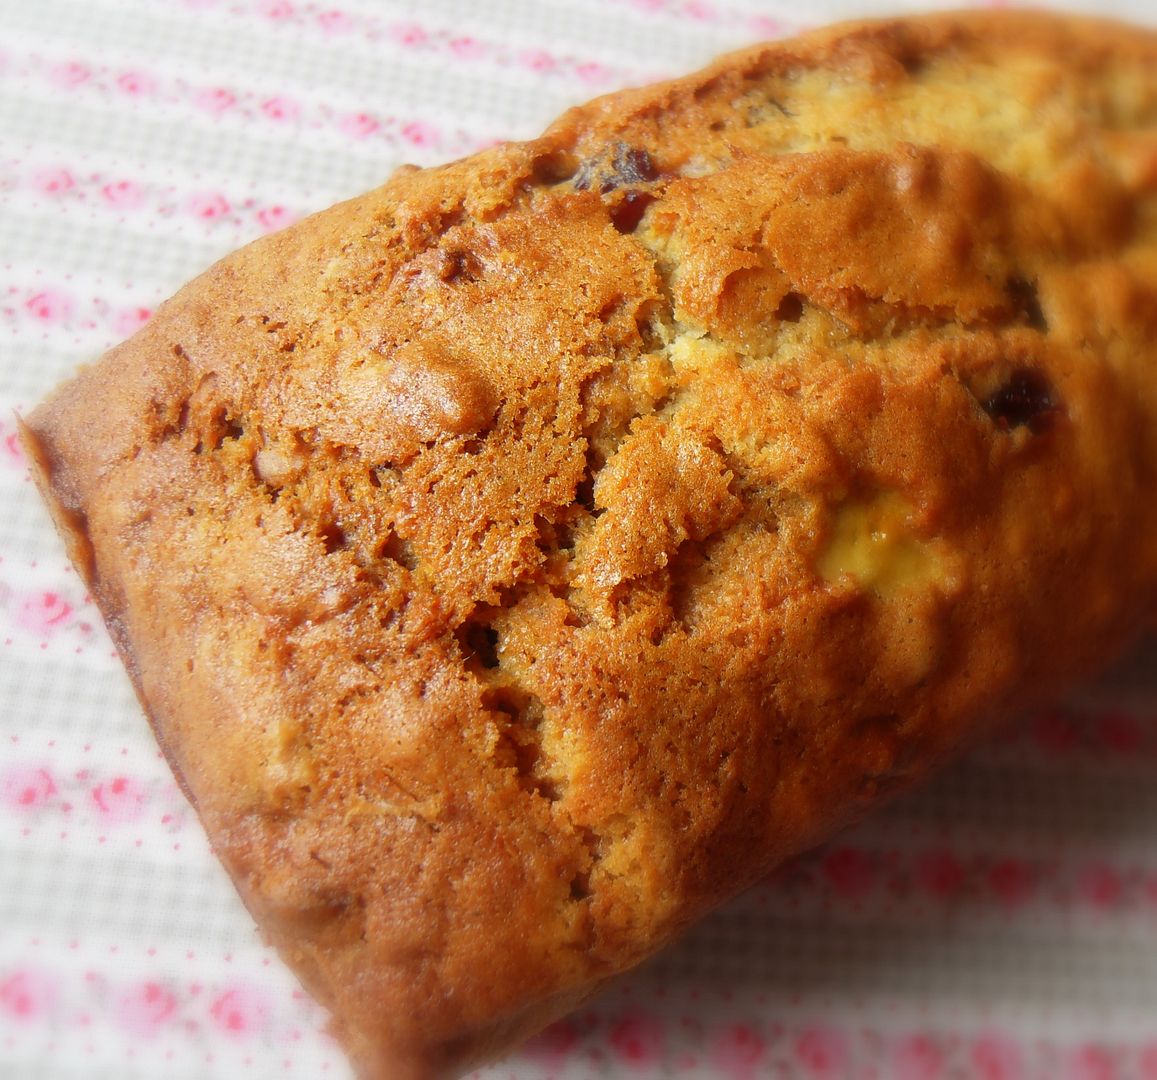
{"type": "Point", "coordinates": [520, 559]}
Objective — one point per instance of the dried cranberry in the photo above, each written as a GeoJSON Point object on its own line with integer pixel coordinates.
{"type": "Point", "coordinates": [1026, 399]}
{"type": "Point", "coordinates": [621, 166]}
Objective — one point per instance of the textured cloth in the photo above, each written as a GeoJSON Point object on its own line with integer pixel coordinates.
{"type": "Point", "coordinates": [997, 924]}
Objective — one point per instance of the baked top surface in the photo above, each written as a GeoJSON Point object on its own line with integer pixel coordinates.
{"type": "Point", "coordinates": [519, 559]}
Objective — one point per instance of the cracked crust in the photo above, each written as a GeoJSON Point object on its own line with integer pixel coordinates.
{"type": "Point", "coordinates": [522, 558]}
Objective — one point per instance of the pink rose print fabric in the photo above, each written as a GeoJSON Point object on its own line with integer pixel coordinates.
{"type": "Point", "coordinates": [26, 995]}
{"type": "Point", "coordinates": [1000, 924]}
{"type": "Point", "coordinates": [28, 787]}
{"type": "Point", "coordinates": [241, 1010]}
{"type": "Point", "coordinates": [146, 1008]}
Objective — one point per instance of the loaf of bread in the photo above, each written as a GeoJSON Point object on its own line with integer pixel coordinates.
{"type": "Point", "coordinates": [519, 560]}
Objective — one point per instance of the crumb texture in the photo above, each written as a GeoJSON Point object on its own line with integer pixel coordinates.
{"type": "Point", "coordinates": [522, 558]}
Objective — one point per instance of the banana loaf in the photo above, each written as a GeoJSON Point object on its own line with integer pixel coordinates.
{"type": "Point", "coordinates": [519, 560]}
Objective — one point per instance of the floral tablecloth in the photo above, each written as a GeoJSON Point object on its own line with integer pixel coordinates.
{"type": "Point", "coordinates": [1001, 924]}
